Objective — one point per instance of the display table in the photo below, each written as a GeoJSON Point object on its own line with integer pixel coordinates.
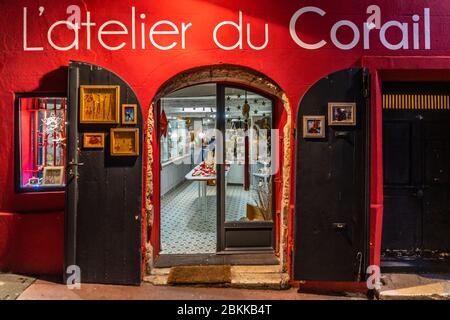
{"type": "Point", "coordinates": [202, 181]}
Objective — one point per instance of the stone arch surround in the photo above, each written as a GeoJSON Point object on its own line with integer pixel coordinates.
{"type": "Point", "coordinates": [236, 75]}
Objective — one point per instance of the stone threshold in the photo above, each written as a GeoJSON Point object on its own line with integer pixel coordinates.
{"type": "Point", "coordinates": [415, 287]}
{"type": "Point", "coordinates": [246, 277]}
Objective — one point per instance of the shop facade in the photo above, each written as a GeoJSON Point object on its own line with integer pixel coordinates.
{"type": "Point", "coordinates": [113, 133]}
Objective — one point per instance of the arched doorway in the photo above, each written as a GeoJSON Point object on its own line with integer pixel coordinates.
{"type": "Point", "coordinates": [205, 129]}
{"type": "Point", "coordinates": [103, 178]}
{"type": "Point", "coordinates": [243, 80]}
{"type": "Point", "coordinates": [332, 163]}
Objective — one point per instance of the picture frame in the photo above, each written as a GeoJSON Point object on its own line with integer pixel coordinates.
{"type": "Point", "coordinates": [53, 176]}
{"type": "Point", "coordinates": [99, 104]}
{"type": "Point", "coordinates": [93, 140]}
{"type": "Point", "coordinates": [342, 114]}
{"type": "Point", "coordinates": [124, 141]}
{"type": "Point", "coordinates": [34, 181]}
{"type": "Point", "coordinates": [129, 114]}
{"type": "Point", "coordinates": [314, 127]}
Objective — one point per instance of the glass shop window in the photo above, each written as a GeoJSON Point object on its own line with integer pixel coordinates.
{"type": "Point", "coordinates": [41, 137]}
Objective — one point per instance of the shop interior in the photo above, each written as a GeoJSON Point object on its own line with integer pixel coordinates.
{"type": "Point", "coordinates": [188, 184]}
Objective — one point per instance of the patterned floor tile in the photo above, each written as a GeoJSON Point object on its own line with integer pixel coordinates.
{"type": "Point", "coordinates": [186, 228]}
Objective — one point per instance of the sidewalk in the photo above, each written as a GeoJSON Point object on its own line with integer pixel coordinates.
{"type": "Point", "coordinates": [396, 287]}
{"type": "Point", "coordinates": [415, 286]}
{"type": "Point", "coordinates": [12, 285]}
{"type": "Point", "coordinates": [45, 290]}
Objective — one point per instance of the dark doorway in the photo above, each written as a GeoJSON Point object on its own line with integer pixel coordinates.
{"type": "Point", "coordinates": [332, 191]}
{"type": "Point", "coordinates": [416, 149]}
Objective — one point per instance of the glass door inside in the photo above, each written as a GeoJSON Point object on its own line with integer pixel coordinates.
{"type": "Point", "coordinates": [248, 179]}
{"type": "Point", "coordinates": [247, 222]}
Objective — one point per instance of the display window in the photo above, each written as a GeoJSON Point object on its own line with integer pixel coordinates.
{"type": "Point", "coordinates": [40, 143]}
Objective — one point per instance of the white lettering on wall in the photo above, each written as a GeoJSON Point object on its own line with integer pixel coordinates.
{"type": "Point", "coordinates": [238, 27]}
{"type": "Point", "coordinates": [173, 31]}
{"type": "Point", "coordinates": [166, 35]}
{"type": "Point", "coordinates": [416, 43]}
{"type": "Point", "coordinates": [427, 28]}
{"type": "Point", "coordinates": [25, 34]}
{"type": "Point", "coordinates": [402, 44]}
{"type": "Point", "coordinates": [356, 35]}
{"type": "Point", "coordinates": [239, 41]}
{"type": "Point", "coordinates": [266, 38]}
{"type": "Point", "coordinates": [88, 24]}
{"type": "Point", "coordinates": [293, 24]}
{"type": "Point", "coordinates": [69, 26]}
{"type": "Point", "coordinates": [102, 32]}
{"type": "Point", "coordinates": [369, 27]}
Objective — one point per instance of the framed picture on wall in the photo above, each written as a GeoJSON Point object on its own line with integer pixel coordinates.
{"type": "Point", "coordinates": [314, 127]}
{"type": "Point", "coordinates": [93, 140]}
{"type": "Point", "coordinates": [99, 104]}
{"type": "Point", "coordinates": [342, 114]}
{"type": "Point", "coordinates": [53, 176]}
{"type": "Point", "coordinates": [124, 142]}
{"type": "Point", "coordinates": [129, 114]}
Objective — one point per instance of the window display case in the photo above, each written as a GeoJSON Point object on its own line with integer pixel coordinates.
{"type": "Point", "coordinates": [41, 143]}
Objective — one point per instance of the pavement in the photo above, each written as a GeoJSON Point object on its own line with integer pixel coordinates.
{"type": "Point", "coordinates": [396, 287]}
{"type": "Point", "coordinates": [12, 285]}
{"type": "Point", "coordinates": [399, 286]}
{"type": "Point", "coordinates": [50, 290]}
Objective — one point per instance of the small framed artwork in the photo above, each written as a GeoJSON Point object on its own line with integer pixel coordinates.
{"type": "Point", "coordinates": [342, 114]}
{"type": "Point", "coordinates": [53, 176]}
{"type": "Point", "coordinates": [99, 104]}
{"type": "Point", "coordinates": [124, 142]}
{"type": "Point", "coordinates": [314, 127]}
{"type": "Point", "coordinates": [129, 113]}
{"type": "Point", "coordinates": [93, 140]}
{"type": "Point", "coordinates": [34, 181]}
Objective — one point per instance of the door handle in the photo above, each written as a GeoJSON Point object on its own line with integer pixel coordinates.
{"type": "Point", "coordinates": [344, 230]}
{"type": "Point", "coordinates": [342, 134]}
{"type": "Point", "coordinates": [73, 163]}
{"type": "Point", "coordinates": [339, 226]}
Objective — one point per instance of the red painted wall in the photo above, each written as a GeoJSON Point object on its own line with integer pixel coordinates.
{"type": "Point", "coordinates": [32, 243]}
{"type": "Point", "coordinates": [292, 67]}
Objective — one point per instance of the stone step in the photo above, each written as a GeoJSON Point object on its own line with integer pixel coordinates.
{"type": "Point", "coordinates": [415, 286]}
{"type": "Point", "coordinates": [249, 277]}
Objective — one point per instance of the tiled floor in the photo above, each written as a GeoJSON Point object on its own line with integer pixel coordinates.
{"type": "Point", "coordinates": [186, 229]}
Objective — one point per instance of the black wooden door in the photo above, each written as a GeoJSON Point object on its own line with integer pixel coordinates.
{"type": "Point", "coordinates": [403, 189]}
{"type": "Point", "coordinates": [104, 192]}
{"type": "Point", "coordinates": [332, 191]}
{"type": "Point", "coordinates": [416, 146]}
{"type": "Point", "coordinates": [436, 207]}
